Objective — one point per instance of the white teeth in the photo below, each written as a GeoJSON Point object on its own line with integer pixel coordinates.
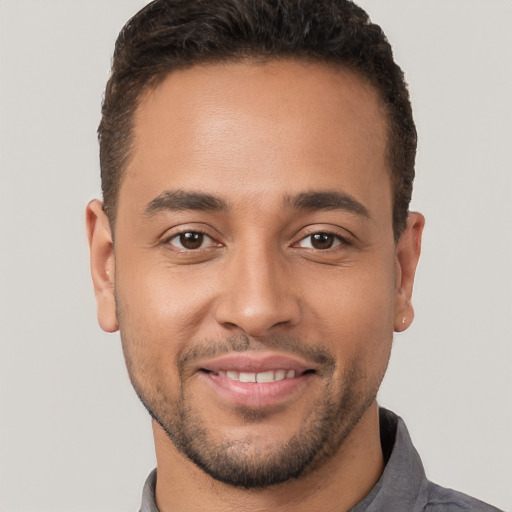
{"type": "Point", "coordinates": [269, 376]}
{"type": "Point", "coordinates": [247, 377]}
{"type": "Point", "coordinates": [265, 377]}
{"type": "Point", "coordinates": [280, 374]}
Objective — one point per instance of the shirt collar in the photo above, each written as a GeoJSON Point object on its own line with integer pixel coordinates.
{"type": "Point", "coordinates": [148, 494]}
{"type": "Point", "coordinates": [402, 486]}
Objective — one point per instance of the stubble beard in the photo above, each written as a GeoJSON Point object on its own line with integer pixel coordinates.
{"type": "Point", "coordinates": [244, 463]}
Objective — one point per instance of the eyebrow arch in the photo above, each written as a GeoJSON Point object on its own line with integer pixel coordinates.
{"type": "Point", "coordinates": [326, 200]}
{"type": "Point", "coordinates": [180, 200]}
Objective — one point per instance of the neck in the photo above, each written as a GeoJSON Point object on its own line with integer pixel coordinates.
{"type": "Point", "coordinates": [338, 485]}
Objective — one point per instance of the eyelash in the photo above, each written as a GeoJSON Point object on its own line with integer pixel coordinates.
{"type": "Point", "coordinates": [169, 239]}
{"type": "Point", "coordinates": [338, 241]}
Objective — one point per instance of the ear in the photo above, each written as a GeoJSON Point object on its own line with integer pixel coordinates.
{"type": "Point", "coordinates": [102, 264]}
{"type": "Point", "coordinates": [407, 254]}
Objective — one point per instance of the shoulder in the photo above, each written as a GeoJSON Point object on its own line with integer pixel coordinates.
{"type": "Point", "coordinates": [441, 499]}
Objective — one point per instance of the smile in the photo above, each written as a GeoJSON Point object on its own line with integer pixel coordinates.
{"type": "Point", "coordinates": [256, 380]}
{"type": "Point", "coordinates": [267, 376]}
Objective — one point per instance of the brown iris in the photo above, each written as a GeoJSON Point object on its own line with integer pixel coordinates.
{"type": "Point", "coordinates": [322, 240]}
{"type": "Point", "coordinates": [191, 240]}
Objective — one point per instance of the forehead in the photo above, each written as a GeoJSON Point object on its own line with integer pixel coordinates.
{"type": "Point", "coordinates": [268, 127]}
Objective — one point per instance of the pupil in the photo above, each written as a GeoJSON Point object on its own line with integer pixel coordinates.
{"type": "Point", "coordinates": [191, 240]}
{"type": "Point", "coordinates": [322, 240]}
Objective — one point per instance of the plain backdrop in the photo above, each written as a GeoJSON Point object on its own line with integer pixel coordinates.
{"type": "Point", "coordinates": [73, 436]}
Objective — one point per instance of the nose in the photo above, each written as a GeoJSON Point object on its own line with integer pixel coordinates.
{"type": "Point", "coordinates": [257, 295]}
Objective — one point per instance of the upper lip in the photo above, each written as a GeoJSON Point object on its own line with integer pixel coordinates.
{"type": "Point", "coordinates": [255, 363]}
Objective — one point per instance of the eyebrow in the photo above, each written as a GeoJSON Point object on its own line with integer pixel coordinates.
{"type": "Point", "coordinates": [327, 200]}
{"type": "Point", "coordinates": [180, 200]}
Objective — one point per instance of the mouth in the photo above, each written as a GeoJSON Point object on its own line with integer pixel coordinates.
{"type": "Point", "coordinates": [256, 380]}
{"type": "Point", "coordinates": [267, 376]}
{"type": "Point", "coordinates": [260, 377]}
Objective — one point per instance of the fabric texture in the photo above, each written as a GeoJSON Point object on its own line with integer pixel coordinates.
{"type": "Point", "coordinates": [402, 487]}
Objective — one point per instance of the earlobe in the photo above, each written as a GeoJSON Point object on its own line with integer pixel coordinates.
{"type": "Point", "coordinates": [407, 255]}
{"type": "Point", "coordinates": [102, 264]}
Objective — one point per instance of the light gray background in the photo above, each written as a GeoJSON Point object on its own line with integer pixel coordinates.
{"type": "Point", "coordinates": [73, 436]}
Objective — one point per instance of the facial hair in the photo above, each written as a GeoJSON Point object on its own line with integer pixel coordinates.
{"type": "Point", "coordinates": [235, 462]}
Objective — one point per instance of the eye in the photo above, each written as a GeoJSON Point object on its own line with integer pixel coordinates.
{"type": "Point", "coordinates": [190, 240]}
{"type": "Point", "coordinates": [320, 241]}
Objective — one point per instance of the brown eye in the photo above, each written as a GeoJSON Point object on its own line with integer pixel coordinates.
{"type": "Point", "coordinates": [320, 241]}
{"type": "Point", "coordinates": [189, 240]}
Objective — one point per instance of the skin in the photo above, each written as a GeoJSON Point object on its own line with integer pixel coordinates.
{"type": "Point", "coordinates": [256, 137]}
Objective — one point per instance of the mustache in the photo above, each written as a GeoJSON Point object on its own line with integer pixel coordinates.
{"type": "Point", "coordinates": [243, 343]}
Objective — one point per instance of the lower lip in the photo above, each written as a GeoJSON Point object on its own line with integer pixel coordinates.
{"type": "Point", "coordinates": [257, 395]}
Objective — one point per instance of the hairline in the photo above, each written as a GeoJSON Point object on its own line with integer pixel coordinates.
{"type": "Point", "coordinates": [256, 58]}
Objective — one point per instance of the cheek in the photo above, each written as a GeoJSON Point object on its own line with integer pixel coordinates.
{"type": "Point", "coordinates": [354, 309]}
{"type": "Point", "coordinates": [160, 312]}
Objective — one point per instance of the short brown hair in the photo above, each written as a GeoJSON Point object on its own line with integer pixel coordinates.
{"type": "Point", "coordinates": [175, 34]}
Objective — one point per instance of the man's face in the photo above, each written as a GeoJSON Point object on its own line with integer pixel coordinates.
{"type": "Point", "coordinates": [257, 282]}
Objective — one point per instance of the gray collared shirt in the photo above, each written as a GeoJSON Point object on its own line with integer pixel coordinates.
{"type": "Point", "coordinates": [402, 487]}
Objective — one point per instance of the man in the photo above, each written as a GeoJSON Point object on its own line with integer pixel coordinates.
{"type": "Point", "coordinates": [256, 252]}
